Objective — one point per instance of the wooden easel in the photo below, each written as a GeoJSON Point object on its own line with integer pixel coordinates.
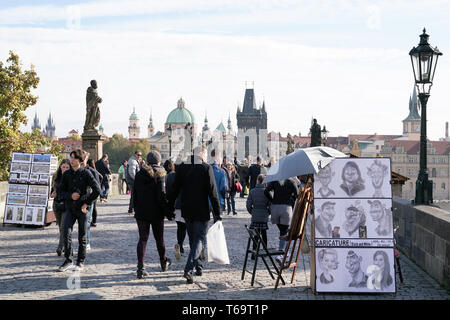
{"type": "Point", "coordinates": [297, 230]}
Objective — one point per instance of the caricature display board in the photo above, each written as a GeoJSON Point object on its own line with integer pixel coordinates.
{"type": "Point", "coordinates": [27, 200]}
{"type": "Point", "coordinates": [353, 226]}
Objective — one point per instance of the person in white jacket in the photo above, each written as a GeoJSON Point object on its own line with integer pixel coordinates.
{"type": "Point", "coordinates": [133, 168]}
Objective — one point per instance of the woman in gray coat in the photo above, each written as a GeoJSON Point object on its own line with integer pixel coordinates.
{"type": "Point", "coordinates": [258, 206]}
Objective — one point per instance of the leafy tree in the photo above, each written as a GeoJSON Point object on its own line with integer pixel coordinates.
{"type": "Point", "coordinates": [15, 97]}
{"type": "Point", "coordinates": [290, 144]}
{"type": "Point", "coordinates": [120, 148]}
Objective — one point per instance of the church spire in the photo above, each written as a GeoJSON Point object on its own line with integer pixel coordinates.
{"type": "Point", "coordinates": [229, 122]}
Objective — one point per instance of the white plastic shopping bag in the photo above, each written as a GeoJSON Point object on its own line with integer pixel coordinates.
{"type": "Point", "coordinates": [216, 244]}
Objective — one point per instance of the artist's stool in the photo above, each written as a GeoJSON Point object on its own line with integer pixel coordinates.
{"type": "Point", "coordinates": [261, 251]}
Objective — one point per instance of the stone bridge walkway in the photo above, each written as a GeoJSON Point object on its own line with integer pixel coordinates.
{"type": "Point", "coordinates": [28, 266]}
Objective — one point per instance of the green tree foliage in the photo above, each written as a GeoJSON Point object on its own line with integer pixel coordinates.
{"type": "Point", "coordinates": [290, 144]}
{"type": "Point", "coordinates": [15, 97]}
{"type": "Point", "coordinates": [119, 148]}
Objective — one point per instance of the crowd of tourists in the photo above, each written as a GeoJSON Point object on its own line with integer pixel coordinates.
{"type": "Point", "coordinates": [190, 193]}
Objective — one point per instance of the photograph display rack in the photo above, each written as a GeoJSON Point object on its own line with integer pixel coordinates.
{"type": "Point", "coordinates": [27, 199]}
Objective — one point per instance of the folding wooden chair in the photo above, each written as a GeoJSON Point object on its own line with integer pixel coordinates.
{"type": "Point", "coordinates": [256, 238]}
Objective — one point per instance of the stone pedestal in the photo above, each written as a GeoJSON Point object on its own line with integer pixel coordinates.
{"type": "Point", "coordinates": [93, 143]}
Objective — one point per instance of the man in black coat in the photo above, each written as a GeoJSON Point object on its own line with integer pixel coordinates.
{"type": "Point", "coordinates": [195, 180]}
{"type": "Point", "coordinates": [254, 171]}
{"type": "Point", "coordinates": [101, 166]}
{"type": "Point", "coordinates": [78, 188]}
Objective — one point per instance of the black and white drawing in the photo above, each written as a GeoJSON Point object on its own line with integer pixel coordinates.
{"type": "Point", "coordinates": [328, 263]}
{"type": "Point", "coordinates": [353, 265]}
{"type": "Point", "coordinates": [38, 190]}
{"type": "Point", "coordinates": [9, 214]}
{"type": "Point", "coordinates": [44, 179]}
{"type": "Point", "coordinates": [324, 176]}
{"type": "Point", "coordinates": [16, 199]}
{"type": "Point", "coordinates": [354, 178]}
{"type": "Point", "coordinates": [14, 177]}
{"type": "Point", "coordinates": [37, 201]}
{"type": "Point", "coordinates": [29, 215]}
{"type": "Point", "coordinates": [357, 270]}
{"type": "Point", "coordinates": [19, 167]}
{"type": "Point", "coordinates": [382, 215]}
{"type": "Point", "coordinates": [24, 177]}
{"type": "Point", "coordinates": [38, 168]}
{"type": "Point", "coordinates": [18, 188]}
{"type": "Point", "coordinates": [21, 157]}
{"type": "Point", "coordinates": [377, 173]}
{"type": "Point", "coordinates": [352, 181]}
{"type": "Point", "coordinates": [34, 178]}
{"type": "Point", "coordinates": [20, 213]}
{"type": "Point", "coordinates": [323, 222]}
{"type": "Point", "coordinates": [355, 217]}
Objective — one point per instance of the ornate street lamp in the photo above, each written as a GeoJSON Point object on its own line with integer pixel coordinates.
{"type": "Point", "coordinates": [169, 135]}
{"type": "Point", "coordinates": [324, 135]}
{"type": "Point", "coordinates": [424, 60]}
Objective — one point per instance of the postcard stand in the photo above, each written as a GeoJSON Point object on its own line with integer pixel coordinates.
{"type": "Point", "coordinates": [297, 231]}
{"type": "Point", "coordinates": [28, 190]}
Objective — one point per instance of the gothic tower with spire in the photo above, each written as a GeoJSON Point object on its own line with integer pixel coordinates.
{"type": "Point", "coordinates": [151, 129]}
{"type": "Point", "coordinates": [252, 128]}
{"type": "Point", "coordinates": [36, 123]}
{"type": "Point", "coordinates": [411, 124]}
{"type": "Point", "coordinates": [49, 130]}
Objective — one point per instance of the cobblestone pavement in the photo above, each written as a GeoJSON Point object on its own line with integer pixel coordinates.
{"type": "Point", "coordinates": [28, 266]}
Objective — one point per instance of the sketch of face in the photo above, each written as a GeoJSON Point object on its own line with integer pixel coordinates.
{"type": "Point", "coordinates": [328, 212]}
{"type": "Point", "coordinates": [325, 176]}
{"type": "Point", "coordinates": [330, 261]}
{"type": "Point", "coordinates": [353, 218]}
{"type": "Point", "coordinates": [350, 175]}
{"type": "Point", "coordinates": [377, 174]}
{"type": "Point", "coordinates": [353, 263]}
{"type": "Point", "coordinates": [376, 210]}
{"type": "Point", "coordinates": [379, 261]}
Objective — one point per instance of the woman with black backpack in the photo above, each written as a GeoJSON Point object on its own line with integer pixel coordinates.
{"type": "Point", "coordinates": [59, 207]}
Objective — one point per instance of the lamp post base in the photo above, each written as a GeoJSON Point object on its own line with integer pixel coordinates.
{"type": "Point", "coordinates": [424, 191]}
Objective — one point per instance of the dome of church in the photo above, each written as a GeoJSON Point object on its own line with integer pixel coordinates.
{"type": "Point", "coordinates": [180, 114]}
{"type": "Point", "coordinates": [134, 115]}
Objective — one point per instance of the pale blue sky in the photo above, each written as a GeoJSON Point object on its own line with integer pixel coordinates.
{"type": "Point", "coordinates": [338, 61]}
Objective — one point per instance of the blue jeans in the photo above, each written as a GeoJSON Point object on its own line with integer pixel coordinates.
{"type": "Point", "coordinates": [105, 188]}
{"type": "Point", "coordinates": [197, 236]}
{"type": "Point", "coordinates": [69, 221]}
{"type": "Point", "coordinates": [230, 202]}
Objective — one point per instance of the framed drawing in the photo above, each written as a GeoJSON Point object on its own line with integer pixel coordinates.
{"type": "Point", "coordinates": [16, 199]}
{"type": "Point", "coordinates": [353, 218]}
{"type": "Point", "coordinates": [29, 213]}
{"type": "Point", "coordinates": [10, 214]}
{"type": "Point", "coordinates": [34, 178]}
{"type": "Point", "coordinates": [18, 188]}
{"type": "Point", "coordinates": [14, 177]}
{"type": "Point", "coordinates": [21, 157]}
{"type": "Point", "coordinates": [354, 178]}
{"type": "Point", "coordinates": [38, 190]}
{"type": "Point", "coordinates": [19, 167]}
{"type": "Point", "coordinates": [44, 179]}
{"type": "Point", "coordinates": [37, 201]}
{"type": "Point", "coordinates": [40, 216]}
{"type": "Point", "coordinates": [41, 158]}
{"type": "Point", "coordinates": [39, 168]}
{"type": "Point", "coordinates": [369, 270]}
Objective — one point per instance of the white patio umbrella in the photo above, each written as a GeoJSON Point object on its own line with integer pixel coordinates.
{"type": "Point", "coordinates": [302, 161]}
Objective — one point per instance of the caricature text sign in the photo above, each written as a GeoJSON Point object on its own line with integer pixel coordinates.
{"type": "Point", "coordinates": [353, 226]}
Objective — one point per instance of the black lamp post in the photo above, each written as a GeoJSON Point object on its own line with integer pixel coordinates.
{"type": "Point", "coordinates": [324, 135]}
{"type": "Point", "coordinates": [190, 128]}
{"type": "Point", "coordinates": [169, 135]}
{"type": "Point", "coordinates": [424, 60]}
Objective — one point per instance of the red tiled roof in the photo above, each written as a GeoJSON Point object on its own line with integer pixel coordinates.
{"type": "Point", "coordinates": [413, 147]}
{"type": "Point", "coordinates": [372, 137]}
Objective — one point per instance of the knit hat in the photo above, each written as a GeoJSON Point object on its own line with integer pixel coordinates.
{"type": "Point", "coordinates": [153, 157]}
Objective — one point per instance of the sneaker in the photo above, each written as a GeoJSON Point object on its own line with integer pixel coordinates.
{"type": "Point", "coordinates": [177, 251]}
{"type": "Point", "coordinates": [203, 255]}
{"type": "Point", "coordinates": [165, 264]}
{"type": "Point", "coordinates": [88, 247]}
{"type": "Point", "coordinates": [79, 266]}
{"type": "Point", "coordinates": [65, 266]}
{"type": "Point", "coordinates": [141, 273]}
{"type": "Point", "coordinates": [199, 272]}
{"type": "Point", "coordinates": [189, 277]}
